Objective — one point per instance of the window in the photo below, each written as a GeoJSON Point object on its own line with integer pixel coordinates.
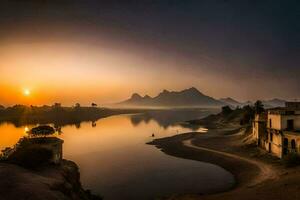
{"type": "Point", "coordinates": [290, 124]}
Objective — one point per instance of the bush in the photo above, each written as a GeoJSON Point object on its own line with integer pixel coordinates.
{"type": "Point", "coordinates": [226, 110]}
{"type": "Point", "coordinates": [31, 157]}
{"type": "Point", "coordinates": [291, 160]}
{"type": "Point", "coordinates": [42, 130]}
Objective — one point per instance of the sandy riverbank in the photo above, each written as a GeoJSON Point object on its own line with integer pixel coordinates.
{"type": "Point", "coordinates": [258, 175]}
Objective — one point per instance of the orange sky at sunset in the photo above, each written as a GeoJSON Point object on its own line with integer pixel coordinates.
{"type": "Point", "coordinates": [72, 72]}
{"type": "Point", "coordinates": [103, 52]}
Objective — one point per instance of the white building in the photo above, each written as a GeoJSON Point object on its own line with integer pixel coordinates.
{"type": "Point", "coordinates": [282, 133]}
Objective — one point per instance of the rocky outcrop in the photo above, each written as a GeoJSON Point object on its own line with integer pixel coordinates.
{"type": "Point", "coordinates": [51, 182]}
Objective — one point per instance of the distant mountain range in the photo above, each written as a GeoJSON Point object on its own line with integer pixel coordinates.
{"type": "Point", "coordinates": [230, 101]}
{"type": "Point", "coordinates": [274, 103]}
{"type": "Point", "coordinates": [188, 98]}
{"type": "Point", "coordinates": [267, 103]}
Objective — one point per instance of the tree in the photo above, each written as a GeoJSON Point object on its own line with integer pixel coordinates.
{"type": "Point", "coordinates": [259, 107]}
{"type": "Point", "coordinates": [43, 130]}
{"type": "Point", "coordinates": [57, 105]}
{"type": "Point", "coordinates": [226, 110]}
{"type": "Point", "coordinates": [248, 114]}
{"type": "Point", "coordinates": [77, 105]}
{"type": "Point", "coordinates": [77, 108]}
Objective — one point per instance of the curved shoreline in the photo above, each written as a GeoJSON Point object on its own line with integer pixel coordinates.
{"type": "Point", "coordinates": [266, 171]}
{"type": "Point", "coordinates": [250, 173]}
{"type": "Point", "coordinates": [174, 146]}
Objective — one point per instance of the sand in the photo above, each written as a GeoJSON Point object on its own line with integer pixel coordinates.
{"type": "Point", "coordinates": [258, 175]}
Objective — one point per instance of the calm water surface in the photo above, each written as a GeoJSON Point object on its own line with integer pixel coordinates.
{"type": "Point", "coordinates": [115, 162]}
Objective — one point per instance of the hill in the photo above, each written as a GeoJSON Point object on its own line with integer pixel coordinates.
{"type": "Point", "coordinates": [274, 103]}
{"type": "Point", "coordinates": [231, 102]}
{"type": "Point", "coordinates": [186, 98]}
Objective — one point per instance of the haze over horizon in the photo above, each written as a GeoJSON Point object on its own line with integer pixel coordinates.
{"type": "Point", "coordinates": [98, 51]}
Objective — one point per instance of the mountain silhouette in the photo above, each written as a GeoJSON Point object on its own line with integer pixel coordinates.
{"type": "Point", "coordinates": [186, 98]}
{"type": "Point", "coordinates": [274, 103]}
{"type": "Point", "coordinates": [231, 102]}
{"type": "Point", "coordinates": [267, 103]}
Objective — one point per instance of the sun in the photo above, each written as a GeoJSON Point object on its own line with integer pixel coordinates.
{"type": "Point", "coordinates": [26, 92]}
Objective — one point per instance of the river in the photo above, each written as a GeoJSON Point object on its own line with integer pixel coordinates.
{"type": "Point", "coordinates": [116, 162]}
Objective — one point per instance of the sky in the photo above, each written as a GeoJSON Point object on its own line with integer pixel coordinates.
{"type": "Point", "coordinates": [103, 51]}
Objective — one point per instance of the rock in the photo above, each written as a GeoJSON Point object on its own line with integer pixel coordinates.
{"type": "Point", "coordinates": [51, 182]}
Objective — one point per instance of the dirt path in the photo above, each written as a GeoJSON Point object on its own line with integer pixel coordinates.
{"type": "Point", "coordinates": [266, 171]}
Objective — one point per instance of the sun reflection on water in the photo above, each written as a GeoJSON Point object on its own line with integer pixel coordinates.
{"type": "Point", "coordinates": [26, 129]}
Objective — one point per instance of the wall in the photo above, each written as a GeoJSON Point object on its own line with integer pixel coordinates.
{"type": "Point", "coordinates": [291, 137]}
{"type": "Point", "coordinates": [296, 119]}
{"type": "Point", "coordinates": [279, 122]}
{"type": "Point", "coordinates": [276, 121]}
{"type": "Point", "coordinates": [276, 144]}
{"type": "Point", "coordinates": [255, 125]}
{"type": "Point", "coordinates": [259, 127]}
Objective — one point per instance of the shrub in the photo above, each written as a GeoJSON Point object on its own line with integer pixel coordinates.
{"type": "Point", "coordinates": [226, 110]}
{"type": "Point", "coordinates": [31, 157]}
{"type": "Point", "coordinates": [42, 130]}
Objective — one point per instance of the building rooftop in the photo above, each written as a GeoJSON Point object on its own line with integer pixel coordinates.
{"type": "Point", "coordinates": [293, 105]}
{"type": "Point", "coordinates": [291, 108]}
